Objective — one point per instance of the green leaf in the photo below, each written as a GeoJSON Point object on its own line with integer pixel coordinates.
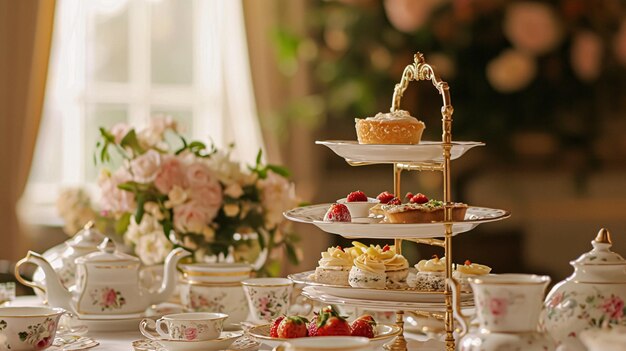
{"type": "Point", "coordinates": [129, 186]}
{"type": "Point", "coordinates": [280, 170]}
{"type": "Point", "coordinates": [259, 155]}
{"type": "Point", "coordinates": [141, 199]}
{"type": "Point", "coordinates": [291, 254]}
{"type": "Point", "coordinates": [121, 225]}
{"type": "Point", "coordinates": [184, 147]}
{"type": "Point", "coordinates": [130, 140]}
{"type": "Point", "coordinates": [273, 267]}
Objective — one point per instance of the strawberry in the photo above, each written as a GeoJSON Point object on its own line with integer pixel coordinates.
{"type": "Point", "coordinates": [274, 327]}
{"type": "Point", "coordinates": [384, 197]}
{"type": "Point", "coordinates": [330, 323]}
{"type": "Point", "coordinates": [394, 201]}
{"type": "Point", "coordinates": [338, 213]}
{"type": "Point", "coordinates": [356, 196]}
{"type": "Point", "coordinates": [292, 327]}
{"type": "Point", "coordinates": [468, 262]}
{"type": "Point", "coordinates": [313, 326]}
{"type": "Point", "coordinates": [363, 326]}
{"type": "Point", "coordinates": [419, 198]}
{"type": "Point", "coordinates": [386, 248]}
{"type": "Point", "coordinates": [409, 196]}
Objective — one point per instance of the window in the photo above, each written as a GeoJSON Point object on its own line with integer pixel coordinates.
{"type": "Point", "coordinates": [127, 60]}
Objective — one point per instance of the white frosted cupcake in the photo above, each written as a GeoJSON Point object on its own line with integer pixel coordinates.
{"type": "Point", "coordinates": [334, 266]}
{"type": "Point", "coordinates": [467, 270]}
{"type": "Point", "coordinates": [396, 268]}
{"type": "Point", "coordinates": [431, 275]}
{"type": "Point", "coordinates": [368, 272]}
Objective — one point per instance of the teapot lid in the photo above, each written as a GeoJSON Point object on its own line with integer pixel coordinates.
{"type": "Point", "coordinates": [89, 236]}
{"type": "Point", "coordinates": [107, 252]}
{"type": "Point", "coordinates": [601, 253]}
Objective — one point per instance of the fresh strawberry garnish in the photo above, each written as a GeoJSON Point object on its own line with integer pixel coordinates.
{"type": "Point", "coordinates": [356, 196]}
{"type": "Point", "coordinates": [386, 248]}
{"type": "Point", "coordinates": [468, 262]}
{"type": "Point", "coordinates": [385, 197]}
{"type": "Point", "coordinates": [274, 327]}
{"type": "Point", "coordinates": [394, 201]}
{"type": "Point", "coordinates": [312, 328]}
{"type": "Point", "coordinates": [409, 196]}
{"type": "Point", "coordinates": [419, 198]}
{"type": "Point", "coordinates": [339, 248]}
{"type": "Point", "coordinates": [363, 326]}
{"type": "Point", "coordinates": [330, 323]}
{"type": "Point", "coordinates": [338, 213]}
{"type": "Point", "coordinates": [292, 327]}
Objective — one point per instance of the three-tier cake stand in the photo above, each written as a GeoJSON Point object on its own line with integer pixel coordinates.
{"type": "Point", "coordinates": [425, 156]}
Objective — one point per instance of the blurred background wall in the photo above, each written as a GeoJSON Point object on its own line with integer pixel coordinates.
{"type": "Point", "coordinates": [541, 82]}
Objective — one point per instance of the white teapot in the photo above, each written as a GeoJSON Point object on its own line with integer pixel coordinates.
{"type": "Point", "coordinates": [592, 297]}
{"type": "Point", "coordinates": [107, 282]}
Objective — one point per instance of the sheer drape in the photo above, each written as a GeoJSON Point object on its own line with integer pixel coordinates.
{"type": "Point", "coordinates": [25, 36]}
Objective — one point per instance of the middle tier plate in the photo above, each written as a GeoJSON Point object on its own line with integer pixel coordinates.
{"type": "Point", "coordinates": [396, 295]}
{"type": "Point", "coordinates": [373, 228]}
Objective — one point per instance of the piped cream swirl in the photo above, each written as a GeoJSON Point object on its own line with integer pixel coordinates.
{"type": "Point", "coordinates": [334, 258]}
{"type": "Point", "coordinates": [396, 263]}
{"type": "Point", "coordinates": [395, 116]}
{"type": "Point", "coordinates": [473, 269]}
{"type": "Point", "coordinates": [433, 265]}
{"type": "Point", "coordinates": [369, 264]}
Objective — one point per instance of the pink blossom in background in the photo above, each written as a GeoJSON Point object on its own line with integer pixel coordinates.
{"type": "Point", "coordinates": [619, 43]}
{"type": "Point", "coordinates": [146, 167]}
{"type": "Point", "coordinates": [190, 218]}
{"type": "Point", "coordinates": [119, 131]}
{"type": "Point", "coordinates": [112, 198]}
{"type": "Point", "coordinates": [586, 55]}
{"type": "Point", "coordinates": [613, 307]}
{"type": "Point", "coordinates": [497, 306]}
{"type": "Point", "coordinates": [511, 71]}
{"type": "Point", "coordinates": [199, 174]}
{"type": "Point", "coordinates": [410, 15]}
{"type": "Point", "coordinates": [207, 197]}
{"type": "Point", "coordinates": [532, 27]}
{"type": "Point", "coordinates": [171, 174]}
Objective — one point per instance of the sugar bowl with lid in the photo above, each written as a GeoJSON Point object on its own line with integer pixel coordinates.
{"type": "Point", "coordinates": [592, 297]}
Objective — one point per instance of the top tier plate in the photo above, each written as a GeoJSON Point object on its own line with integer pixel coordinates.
{"type": "Point", "coordinates": [424, 152]}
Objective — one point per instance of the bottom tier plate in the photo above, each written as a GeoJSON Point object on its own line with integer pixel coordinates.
{"type": "Point", "coordinates": [317, 294]}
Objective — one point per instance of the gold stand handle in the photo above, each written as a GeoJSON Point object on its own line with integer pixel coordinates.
{"type": "Point", "coordinates": [18, 276]}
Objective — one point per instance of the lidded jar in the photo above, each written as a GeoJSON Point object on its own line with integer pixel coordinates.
{"type": "Point", "coordinates": [592, 297]}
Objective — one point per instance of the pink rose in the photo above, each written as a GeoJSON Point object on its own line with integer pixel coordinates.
{"type": "Point", "coordinates": [113, 198]}
{"type": "Point", "coordinates": [109, 297]}
{"type": "Point", "coordinates": [208, 197]}
{"type": "Point", "coordinates": [170, 175]}
{"type": "Point", "coordinates": [497, 306]}
{"type": "Point", "coordinates": [190, 218]}
{"type": "Point", "coordinates": [44, 343]}
{"type": "Point", "coordinates": [146, 167]}
{"type": "Point", "coordinates": [199, 174]}
{"type": "Point", "coordinates": [119, 131]}
{"type": "Point", "coordinates": [614, 307]}
{"type": "Point", "coordinates": [191, 333]}
{"type": "Point", "coordinates": [556, 300]}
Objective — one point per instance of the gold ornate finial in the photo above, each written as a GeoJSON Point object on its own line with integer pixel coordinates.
{"type": "Point", "coordinates": [88, 225]}
{"type": "Point", "coordinates": [603, 237]}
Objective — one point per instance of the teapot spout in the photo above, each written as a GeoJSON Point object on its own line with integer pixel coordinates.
{"type": "Point", "coordinates": [170, 277]}
{"type": "Point", "coordinates": [57, 295]}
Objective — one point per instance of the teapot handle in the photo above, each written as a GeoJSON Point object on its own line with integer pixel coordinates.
{"type": "Point", "coordinates": [456, 306]}
{"type": "Point", "coordinates": [18, 276]}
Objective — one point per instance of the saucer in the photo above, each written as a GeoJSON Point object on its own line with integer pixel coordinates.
{"type": "Point", "coordinates": [225, 340]}
{"type": "Point", "coordinates": [72, 343]}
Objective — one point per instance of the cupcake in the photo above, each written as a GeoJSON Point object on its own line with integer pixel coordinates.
{"type": "Point", "coordinates": [334, 266]}
{"type": "Point", "coordinates": [431, 275]}
{"type": "Point", "coordinates": [397, 127]}
{"type": "Point", "coordinates": [368, 272]}
{"type": "Point", "coordinates": [467, 270]}
{"type": "Point", "coordinates": [396, 268]}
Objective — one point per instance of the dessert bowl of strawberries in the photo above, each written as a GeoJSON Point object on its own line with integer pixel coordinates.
{"type": "Point", "coordinates": [325, 323]}
{"type": "Point", "coordinates": [358, 203]}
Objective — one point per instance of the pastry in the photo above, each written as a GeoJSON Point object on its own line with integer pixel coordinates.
{"type": "Point", "coordinates": [467, 270]}
{"type": "Point", "coordinates": [368, 272]}
{"type": "Point", "coordinates": [396, 266]}
{"type": "Point", "coordinates": [397, 127]}
{"type": "Point", "coordinates": [384, 198]}
{"type": "Point", "coordinates": [430, 276]}
{"type": "Point", "coordinates": [334, 266]}
{"type": "Point", "coordinates": [431, 211]}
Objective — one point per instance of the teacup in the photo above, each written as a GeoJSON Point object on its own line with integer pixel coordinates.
{"type": "Point", "coordinates": [28, 328]}
{"type": "Point", "coordinates": [349, 343]}
{"type": "Point", "coordinates": [198, 326]}
{"type": "Point", "coordinates": [267, 298]}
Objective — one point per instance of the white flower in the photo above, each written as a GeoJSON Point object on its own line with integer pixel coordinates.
{"type": "Point", "coordinates": [532, 27]}
{"type": "Point", "coordinates": [146, 167]}
{"type": "Point", "coordinates": [153, 209]}
{"type": "Point", "coordinates": [234, 190]}
{"type": "Point", "coordinates": [511, 71]}
{"type": "Point", "coordinates": [74, 206]}
{"type": "Point", "coordinates": [136, 230]}
{"type": "Point", "coordinates": [231, 210]}
{"type": "Point", "coordinates": [153, 247]}
{"type": "Point", "coordinates": [176, 196]}
{"type": "Point", "coordinates": [277, 196]}
{"type": "Point", "coordinates": [119, 131]}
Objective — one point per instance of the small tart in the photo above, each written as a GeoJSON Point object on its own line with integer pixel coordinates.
{"type": "Point", "coordinates": [434, 265]}
{"type": "Point", "coordinates": [431, 211]}
{"type": "Point", "coordinates": [473, 269]}
{"type": "Point", "coordinates": [397, 127]}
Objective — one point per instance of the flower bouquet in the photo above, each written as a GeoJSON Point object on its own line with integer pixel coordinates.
{"type": "Point", "coordinates": [192, 196]}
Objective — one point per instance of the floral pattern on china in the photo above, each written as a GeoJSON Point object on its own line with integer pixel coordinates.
{"type": "Point", "coordinates": [39, 335]}
{"type": "Point", "coordinates": [592, 297]}
{"type": "Point", "coordinates": [189, 332]}
{"type": "Point", "coordinates": [269, 304]}
{"type": "Point", "coordinates": [107, 298]}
